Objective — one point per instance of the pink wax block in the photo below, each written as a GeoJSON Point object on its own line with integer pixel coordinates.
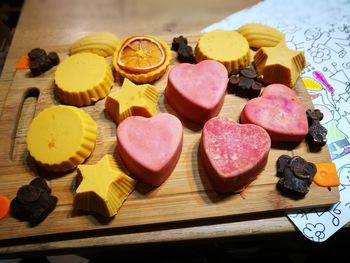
{"type": "Point", "coordinates": [279, 111]}
{"type": "Point", "coordinates": [196, 92]}
{"type": "Point", "coordinates": [150, 147]}
{"type": "Point", "coordinates": [233, 154]}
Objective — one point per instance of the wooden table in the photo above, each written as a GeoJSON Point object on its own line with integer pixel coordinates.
{"type": "Point", "coordinates": [56, 23]}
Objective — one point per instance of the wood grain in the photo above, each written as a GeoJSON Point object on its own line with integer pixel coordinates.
{"type": "Point", "coordinates": [186, 195]}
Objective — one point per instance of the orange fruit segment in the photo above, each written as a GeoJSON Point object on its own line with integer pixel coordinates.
{"type": "Point", "coordinates": [141, 54]}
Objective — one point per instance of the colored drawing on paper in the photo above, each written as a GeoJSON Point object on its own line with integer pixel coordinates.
{"type": "Point", "coordinates": [322, 31]}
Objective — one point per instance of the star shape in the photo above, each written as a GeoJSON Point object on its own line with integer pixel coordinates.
{"type": "Point", "coordinates": [279, 64]}
{"type": "Point", "coordinates": [132, 100]}
{"type": "Point", "coordinates": [103, 188]}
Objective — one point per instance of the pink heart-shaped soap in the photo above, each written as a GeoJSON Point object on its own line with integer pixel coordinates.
{"type": "Point", "coordinates": [279, 111]}
{"type": "Point", "coordinates": [196, 92]}
{"type": "Point", "coordinates": [233, 154]}
{"type": "Point", "coordinates": [150, 147]}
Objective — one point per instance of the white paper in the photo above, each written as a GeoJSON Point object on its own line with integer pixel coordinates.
{"type": "Point", "coordinates": [322, 30]}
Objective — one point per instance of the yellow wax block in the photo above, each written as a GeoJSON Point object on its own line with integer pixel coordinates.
{"type": "Point", "coordinates": [83, 79]}
{"type": "Point", "coordinates": [143, 77]}
{"type": "Point", "coordinates": [132, 100]}
{"type": "Point", "coordinates": [259, 35]}
{"type": "Point", "coordinates": [279, 64]}
{"type": "Point", "coordinates": [103, 188]}
{"type": "Point", "coordinates": [227, 47]}
{"type": "Point", "coordinates": [61, 137]}
{"type": "Point", "coordinates": [100, 43]}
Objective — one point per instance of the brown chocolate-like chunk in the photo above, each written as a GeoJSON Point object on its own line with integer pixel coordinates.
{"type": "Point", "coordinates": [249, 73]}
{"type": "Point", "coordinates": [177, 41]}
{"type": "Point", "coordinates": [45, 63]}
{"type": "Point", "coordinates": [185, 54]}
{"type": "Point", "coordinates": [35, 68]}
{"type": "Point", "coordinates": [39, 210]}
{"type": "Point", "coordinates": [53, 56]}
{"type": "Point", "coordinates": [317, 135]}
{"type": "Point", "coordinates": [41, 62]}
{"type": "Point", "coordinates": [300, 168]}
{"type": "Point", "coordinates": [314, 115]}
{"type": "Point", "coordinates": [33, 202]}
{"type": "Point", "coordinates": [282, 163]}
{"type": "Point", "coordinates": [257, 86]}
{"type": "Point", "coordinates": [16, 210]}
{"type": "Point", "coordinates": [41, 183]}
{"type": "Point", "coordinates": [296, 173]}
{"type": "Point", "coordinates": [234, 79]}
{"type": "Point", "coordinates": [28, 194]}
{"type": "Point", "coordinates": [292, 183]}
{"type": "Point", "coordinates": [245, 83]}
{"type": "Point", "coordinates": [36, 53]}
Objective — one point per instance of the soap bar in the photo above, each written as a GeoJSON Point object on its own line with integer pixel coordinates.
{"type": "Point", "coordinates": [83, 79]}
{"type": "Point", "coordinates": [279, 111]}
{"type": "Point", "coordinates": [227, 47]}
{"type": "Point", "coordinates": [233, 154]}
{"type": "Point", "coordinates": [100, 43]}
{"type": "Point", "coordinates": [259, 35]}
{"type": "Point", "coordinates": [61, 137]}
{"type": "Point", "coordinates": [132, 100]}
{"type": "Point", "coordinates": [103, 187]}
{"type": "Point", "coordinates": [150, 147]}
{"type": "Point", "coordinates": [196, 92]}
{"type": "Point", "coordinates": [142, 59]}
{"type": "Point", "coordinates": [279, 64]}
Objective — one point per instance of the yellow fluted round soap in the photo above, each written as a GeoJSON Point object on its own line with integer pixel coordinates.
{"type": "Point", "coordinates": [227, 47]}
{"type": "Point", "coordinates": [61, 137]}
{"type": "Point", "coordinates": [82, 79]}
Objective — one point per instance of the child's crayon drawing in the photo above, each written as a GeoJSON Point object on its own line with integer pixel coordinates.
{"type": "Point", "coordinates": [322, 30]}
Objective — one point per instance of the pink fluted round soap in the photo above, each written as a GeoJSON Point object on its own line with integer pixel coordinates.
{"type": "Point", "coordinates": [279, 111]}
{"type": "Point", "coordinates": [233, 154]}
{"type": "Point", "coordinates": [197, 92]}
{"type": "Point", "coordinates": [150, 147]}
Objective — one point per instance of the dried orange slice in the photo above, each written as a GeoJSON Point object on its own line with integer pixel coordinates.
{"type": "Point", "coordinates": [141, 54]}
{"type": "Point", "coordinates": [137, 73]}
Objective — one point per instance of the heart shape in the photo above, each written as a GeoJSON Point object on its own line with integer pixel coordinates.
{"type": "Point", "coordinates": [197, 92]}
{"type": "Point", "coordinates": [150, 147]}
{"type": "Point", "coordinates": [233, 154]}
{"type": "Point", "coordinates": [279, 111]}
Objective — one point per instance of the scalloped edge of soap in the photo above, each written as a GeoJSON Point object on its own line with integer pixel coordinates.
{"type": "Point", "coordinates": [100, 43]}
{"type": "Point", "coordinates": [148, 77]}
{"type": "Point", "coordinates": [233, 65]}
{"type": "Point", "coordinates": [90, 94]}
{"type": "Point", "coordinates": [260, 35]}
{"type": "Point", "coordinates": [87, 144]}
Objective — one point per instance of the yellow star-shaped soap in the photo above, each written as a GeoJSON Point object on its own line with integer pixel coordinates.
{"type": "Point", "coordinates": [132, 100]}
{"type": "Point", "coordinates": [103, 188]}
{"type": "Point", "coordinates": [279, 64]}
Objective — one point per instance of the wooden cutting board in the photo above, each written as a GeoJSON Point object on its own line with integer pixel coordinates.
{"type": "Point", "coordinates": [186, 195]}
